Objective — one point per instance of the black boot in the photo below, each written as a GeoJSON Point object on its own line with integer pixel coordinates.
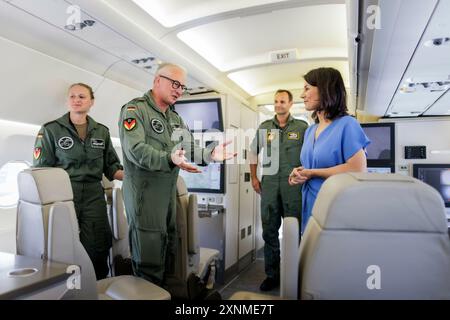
{"type": "Point", "coordinates": [269, 284]}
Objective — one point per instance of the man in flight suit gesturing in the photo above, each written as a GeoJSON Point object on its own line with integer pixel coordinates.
{"type": "Point", "coordinates": [278, 198]}
{"type": "Point", "coordinates": [152, 159]}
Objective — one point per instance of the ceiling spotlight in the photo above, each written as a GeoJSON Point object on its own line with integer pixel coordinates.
{"type": "Point", "coordinates": [70, 27]}
{"type": "Point", "coordinates": [89, 23]}
{"type": "Point", "coordinates": [436, 42]}
{"type": "Point", "coordinates": [79, 25]}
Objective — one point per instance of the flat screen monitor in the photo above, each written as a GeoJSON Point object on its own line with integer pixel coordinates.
{"type": "Point", "coordinates": [437, 176]}
{"type": "Point", "coordinates": [381, 150]}
{"type": "Point", "coordinates": [379, 169]}
{"type": "Point", "coordinates": [201, 115]}
{"type": "Point", "coordinates": [210, 180]}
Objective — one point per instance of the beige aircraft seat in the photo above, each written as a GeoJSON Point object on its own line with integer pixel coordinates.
{"type": "Point", "coordinates": [190, 258]}
{"type": "Point", "coordinates": [120, 256]}
{"type": "Point", "coordinates": [289, 256]}
{"type": "Point", "coordinates": [374, 236]}
{"type": "Point", "coordinates": [47, 228]}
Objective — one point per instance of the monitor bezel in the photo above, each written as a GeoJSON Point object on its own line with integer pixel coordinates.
{"type": "Point", "coordinates": [221, 190]}
{"type": "Point", "coordinates": [219, 111]}
{"type": "Point", "coordinates": [384, 162]}
{"type": "Point", "coordinates": [417, 166]}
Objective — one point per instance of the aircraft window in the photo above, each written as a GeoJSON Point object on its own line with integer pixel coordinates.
{"type": "Point", "coordinates": [9, 191]}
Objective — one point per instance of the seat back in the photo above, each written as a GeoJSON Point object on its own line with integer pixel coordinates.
{"type": "Point", "coordinates": [375, 236]}
{"type": "Point", "coordinates": [289, 259]}
{"type": "Point", "coordinates": [187, 255]}
{"type": "Point", "coordinates": [120, 249]}
{"type": "Point", "coordinates": [47, 225]}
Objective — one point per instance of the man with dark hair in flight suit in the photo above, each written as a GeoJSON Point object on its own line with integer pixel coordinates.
{"type": "Point", "coordinates": [278, 198]}
{"type": "Point", "coordinates": [152, 159]}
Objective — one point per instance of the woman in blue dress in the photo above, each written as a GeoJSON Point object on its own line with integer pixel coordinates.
{"type": "Point", "coordinates": [334, 144]}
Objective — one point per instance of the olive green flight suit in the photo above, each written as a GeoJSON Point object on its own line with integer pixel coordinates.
{"type": "Point", "coordinates": [149, 185]}
{"type": "Point", "coordinates": [58, 145]}
{"type": "Point", "coordinates": [278, 198]}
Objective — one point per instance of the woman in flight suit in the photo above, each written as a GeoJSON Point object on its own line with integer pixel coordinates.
{"type": "Point", "coordinates": [83, 147]}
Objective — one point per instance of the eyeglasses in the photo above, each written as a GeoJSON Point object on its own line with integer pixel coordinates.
{"type": "Point", "coordinates": [175, 83]}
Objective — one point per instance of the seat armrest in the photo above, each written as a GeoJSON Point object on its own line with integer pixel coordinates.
{"type": "Point", "coordinates": [246, 295]}
{"type": "Point", "coordinates": [131, 288]}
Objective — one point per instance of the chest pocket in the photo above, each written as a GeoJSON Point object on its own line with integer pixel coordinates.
{"type": "Point", "coordinates": [94, 157]}
{"type": "Point", "coordinates": [293, 154]}
{"type": "Point", "coordinates": [155, 140]}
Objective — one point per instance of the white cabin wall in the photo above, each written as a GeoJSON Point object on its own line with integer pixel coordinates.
{"type": "Point", "coordinates": [36, 88]}
{"type": "Point", "coordinates": [434, 133]}
{"type": "Point", "coordinates": [247, 221]}
{"type": "Point", "coordinates": [17, 141]}
{"type": "Point", "coordinates": [8, 230]}
{"type": "Point", "coordinates": [232, 118]}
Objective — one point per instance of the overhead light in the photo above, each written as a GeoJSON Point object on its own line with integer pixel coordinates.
{"type": "Point", "coordinates": [437, 42]}
{"type": "Point", "coordinates": [79, 25]}
{"type": "Point", "coordinates": [432, 86]}
{"type": "Point", "coordinates": [143, 60]}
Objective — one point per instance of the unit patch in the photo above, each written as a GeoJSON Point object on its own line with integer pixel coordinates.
{"type": "Point", "coordinates": [97, 143]}
{"type": "Point", "coordinates": [293, 136]}
{"type": "Point", "coordinates": [129, 124]}
{"type": "Point", "coordinates": [37, 153]}
{"type": "Point", "coordinates": [65, 143]}
{"type": "Point", "coordinates": [157, 125]}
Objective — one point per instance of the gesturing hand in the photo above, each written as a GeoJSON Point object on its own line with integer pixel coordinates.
{"type": "Point", "coordinates": [220, 153]}
{"type": "Point", "coordinates": [180, 161]}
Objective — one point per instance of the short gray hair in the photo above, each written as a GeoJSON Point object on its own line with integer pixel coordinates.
{"type": "Point", "coordinates": [168, 65]}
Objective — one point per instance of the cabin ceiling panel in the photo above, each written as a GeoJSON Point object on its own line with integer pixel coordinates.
{"type": "Point", "coordinates": [97, 48]}
{"type": "Point", "coordinates": [427, 77]}
{"type": "Point", "coordinates": [61, 13]}
{"type": "Point", "coordinates": [414, 103]}
{"type": "Point", "coordinates": [393, 47]}
{"type": "Point", "coordinates": [174, 12]}
{"type": "Point", "coordinates": [288, 76]}
{"type": "Point", "coordinates": [35, 33]}
{"type": "Point", "coordinates": [245, 41]}
{"type": "Point", "coordinates": [441, 107]}
{"type": "Point", "coordinates": [431, 61]}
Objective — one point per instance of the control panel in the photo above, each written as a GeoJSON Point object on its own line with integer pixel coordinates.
{"type": "Point", "coordinates": [415, 152]}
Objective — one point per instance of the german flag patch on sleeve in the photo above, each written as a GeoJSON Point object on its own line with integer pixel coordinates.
{"type": "Point", "coordinates": [129, 124]}
{"type": "Point", "coordinates": [37, 152]}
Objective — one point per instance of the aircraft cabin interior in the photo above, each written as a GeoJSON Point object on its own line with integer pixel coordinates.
{"type": "Point", "coordinates": [366, 227]}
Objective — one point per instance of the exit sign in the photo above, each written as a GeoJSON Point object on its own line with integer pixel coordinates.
{"type": "Point", "coordinates": [284, 55]}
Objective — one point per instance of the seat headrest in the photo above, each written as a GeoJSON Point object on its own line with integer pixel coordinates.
{"type": "Point", "coordinates": [379, 202]}
{"type": "Point", "coordinates": [181, 187]}
{"type": "Point", "coordinates": [44, 185]}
